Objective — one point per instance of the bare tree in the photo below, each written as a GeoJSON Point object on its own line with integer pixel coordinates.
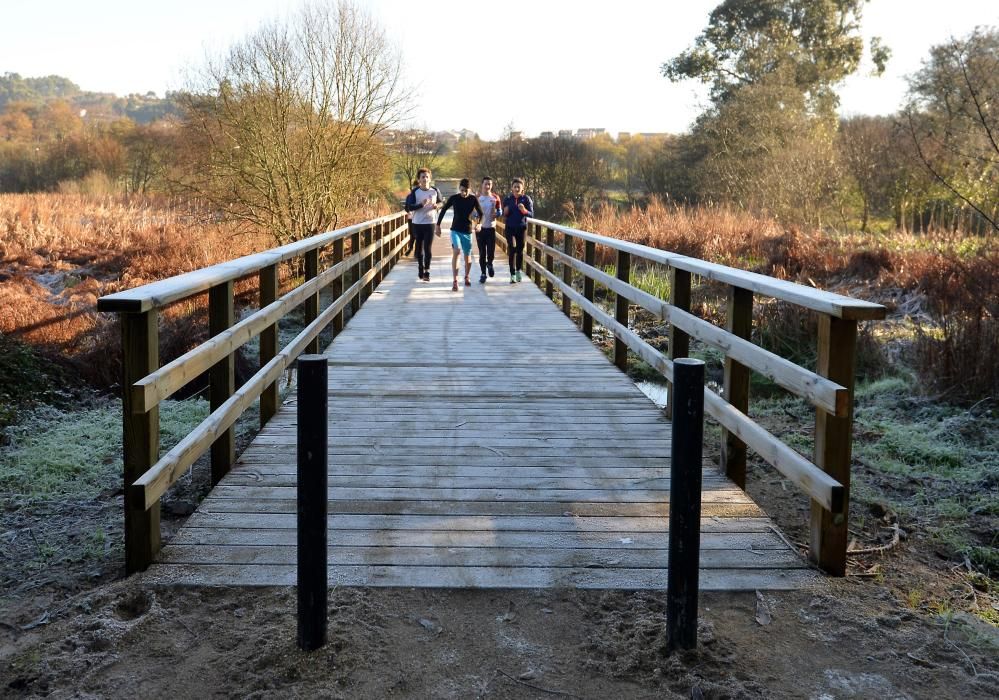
{"type": "Point", "coordinates": [281, 131]}
{"type": "Point", "coordinates": [412, 150]}
{"type": "Point", "coordinates": [953, 119]}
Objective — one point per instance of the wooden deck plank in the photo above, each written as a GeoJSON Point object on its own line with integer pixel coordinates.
{"type": "Point", "coordinates": [477, 439]}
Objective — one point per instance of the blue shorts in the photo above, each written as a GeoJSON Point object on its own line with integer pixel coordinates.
{"type": "Point", "coordinates": [463, 241]}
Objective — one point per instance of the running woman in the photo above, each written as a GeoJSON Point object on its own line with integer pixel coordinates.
{"type": "Point", "coordinates": [464, 204]}
{"type": "Point", "coordinates": [517, 207]}
{"type": "Point", "coordinates": [485, 231]}
{"type": "Point", "coordinates": [423, 201]}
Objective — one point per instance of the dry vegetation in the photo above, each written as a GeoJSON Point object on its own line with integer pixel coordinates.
{"type": "Point", "coordinates": [944, 285]}
{"type": "Point", "coordinates": [59, 253]}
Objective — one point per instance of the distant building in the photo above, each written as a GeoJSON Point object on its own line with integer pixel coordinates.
{"type": "Point", "coordinates": [565, 133]}
{"type": "Point", "coordinates": [589, 133]}
{"type": "Point", "coordinates": [623, 135]}
{"type": "Point", "coordinates": [546, 135]}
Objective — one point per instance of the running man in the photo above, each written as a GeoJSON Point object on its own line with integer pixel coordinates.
{"type": "Point", "coordinates": [485, 231]}
{"type": "Point", "coordinates": [517, 207]}
{"type": "Point", "coordinates": [464, 204]}
{"type": "Point", "coordinates": [423, 201]}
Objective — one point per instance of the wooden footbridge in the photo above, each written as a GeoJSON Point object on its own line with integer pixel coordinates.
{"type": "Point", "coordinates": [477, 438]}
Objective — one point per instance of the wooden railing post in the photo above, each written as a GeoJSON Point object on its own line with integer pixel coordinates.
{"type": "Point", "coordinates": [569, 248]}
{"type": "Point", "coordinates": [535, 231]}
{"type": "Point", "coordinates": [549, 263]}
{"type": "Point", "coordinates": [355, 247]}
{"type": "Point", "coordinates": [222, 376]}
{"type": "Point", "coordinates": [837, 346]}
{"type": "Point", "coordinates": [140, 437]}
{"type": "Point", "coordinates": [376, 257]}
{"type": "Point", "coordinates": [366, 237]}
{"type": "Point", "coordinates": [739, 323]}
{"type": "Point", "coordinates": [268, 278]}
{"type": "Point", "coordinates": [337, 286]}
{"type": "Point", "coordinates": [590, 258]}
{"type": "Point", "coordinates": [621, 314]}
{"type": "Point", "coordinates": [311, 305]}
{"type": "Point", "coordinates": [679, 342]}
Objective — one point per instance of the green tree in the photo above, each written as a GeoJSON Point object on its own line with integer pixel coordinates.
{"type": "Point", "coordinates": [809, 45]}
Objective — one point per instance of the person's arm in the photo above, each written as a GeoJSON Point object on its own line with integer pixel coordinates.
{"type": "Point", "coordinates": [411, 204]}
{"type": "Point", "coordinates": [448, 205]}
{"type": "Point", "coordinates": [506, 209]}
{"type": "Point", "coordinates": [529, 205]}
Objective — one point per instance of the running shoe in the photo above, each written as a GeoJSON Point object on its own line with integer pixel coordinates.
{"type": "Point", "coordinates": [426, 276]}
{"type": "Point", "coordinates": [520, 276]}
{"type": "Point", "coordinates": [513, 279]}
{"type": "Point", "coordinates": [454, 287]}
{"type": "Point", "coordinates": [482, 278]}
{"type": "Point", "coordinates": [489, 267]}
{"type": "Point", "coordinates": [468, 282]}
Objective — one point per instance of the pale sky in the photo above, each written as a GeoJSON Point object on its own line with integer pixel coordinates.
{"type": "Point", "coordinates": [556, 66]}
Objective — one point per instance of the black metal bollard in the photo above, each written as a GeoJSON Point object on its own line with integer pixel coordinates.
{"type": "Point", "coordinates": [313, 590]}
{"type": "Point", "coordinates": [685, 504]}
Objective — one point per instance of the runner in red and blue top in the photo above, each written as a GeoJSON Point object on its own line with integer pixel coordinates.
{"type": "Point", "coordinates": [463, 204]}
{"type": "Point", "coordinates": [485, 231]}
{"type": "Point", "coordinates": [517, 207]}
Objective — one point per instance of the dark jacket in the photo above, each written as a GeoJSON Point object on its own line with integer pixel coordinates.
{"type": "Point", "coordinates": [514, 218]}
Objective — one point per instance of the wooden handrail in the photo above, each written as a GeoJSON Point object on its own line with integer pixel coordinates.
{"type": "Point", "coordinates": [816, 299]}
{"type": "Point", "coordinates": [156, 295]}
{"type": "Point", "coordinates": [147, 475]}
{"type": "Point", "coordinates": [162, 383]}
{"type": "Point", "coordinates": [154, 483]}
{"type": "Point", "coordinates": [829, 388]}
{"type": "Point", "coordinates": [798, 380]}
{"type": "Point", "coordinates": [806, 475]}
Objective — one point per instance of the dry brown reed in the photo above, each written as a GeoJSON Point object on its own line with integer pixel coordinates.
{"type": "Point", "coordinates": [60, 252]}
{"type": "Point", "coordinates": [954, 278]}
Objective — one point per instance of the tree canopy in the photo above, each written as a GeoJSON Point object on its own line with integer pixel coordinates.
{"type": "Point", "coordinates": [809, 45]}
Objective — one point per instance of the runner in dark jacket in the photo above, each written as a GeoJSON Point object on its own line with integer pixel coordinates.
{"type": "Point", "coordinates": [517, 207]}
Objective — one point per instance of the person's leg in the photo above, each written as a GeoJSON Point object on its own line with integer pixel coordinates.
{"type": "Point", "coordinates": [480, 242]}
{"type": "Point", "coordinates": [519, 238]}
{"type": "Point", "coordinates": [490, 250]}
{"type": "Point", "coordinates": [468, 267]}
{"type": "Point", "coordinates": [455, 250]}
{"type": "Point", "coordinates": [511, 250]}
{"type": "Point", "coordinates": [428, 250]}
{"type": "Point", "coordinates": [419, 232]}
{"type": "Point", "coordinates": [418, 248]}
{"type": "Point", "coordinates": [412, 239]}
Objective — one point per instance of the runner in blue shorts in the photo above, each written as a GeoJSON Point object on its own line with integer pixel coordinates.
{"type": "Point", "coordinates": [461, 228]}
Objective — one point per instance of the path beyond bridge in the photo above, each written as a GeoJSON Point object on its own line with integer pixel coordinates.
{"type": "Point", "coordinates": [477, 439]}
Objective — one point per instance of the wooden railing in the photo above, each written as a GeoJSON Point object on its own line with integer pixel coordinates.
{"type": "Point", "coordinates": [374, 246]}
{"type": "Point", "coordinates": [829, 388]}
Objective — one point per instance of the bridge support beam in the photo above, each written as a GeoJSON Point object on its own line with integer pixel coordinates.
{"type": "Point", "coordinates": [621, 315]}
{"type": "Point", "coordinates": [833, 442]}
{"type": "Point", "coordinates": [679, 342]}
{"type": "Point", "coordinates": [590, 258]}
{"type": "Point", "coordinates": [268, 279]}
{"type": "Point", "coordinates": [140, 437]}
{"type": "Point", "coordinates": [222, 376]}
{"type": "Point", "coordinates": [738, 323]}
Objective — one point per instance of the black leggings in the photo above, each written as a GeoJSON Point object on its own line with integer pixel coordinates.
{"type": "Point", "coordinates": [515, 247]}
{"type": "Point", "coordinates": [424, 235]}
{"type": "Point", "coordinates": [486, 238]}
